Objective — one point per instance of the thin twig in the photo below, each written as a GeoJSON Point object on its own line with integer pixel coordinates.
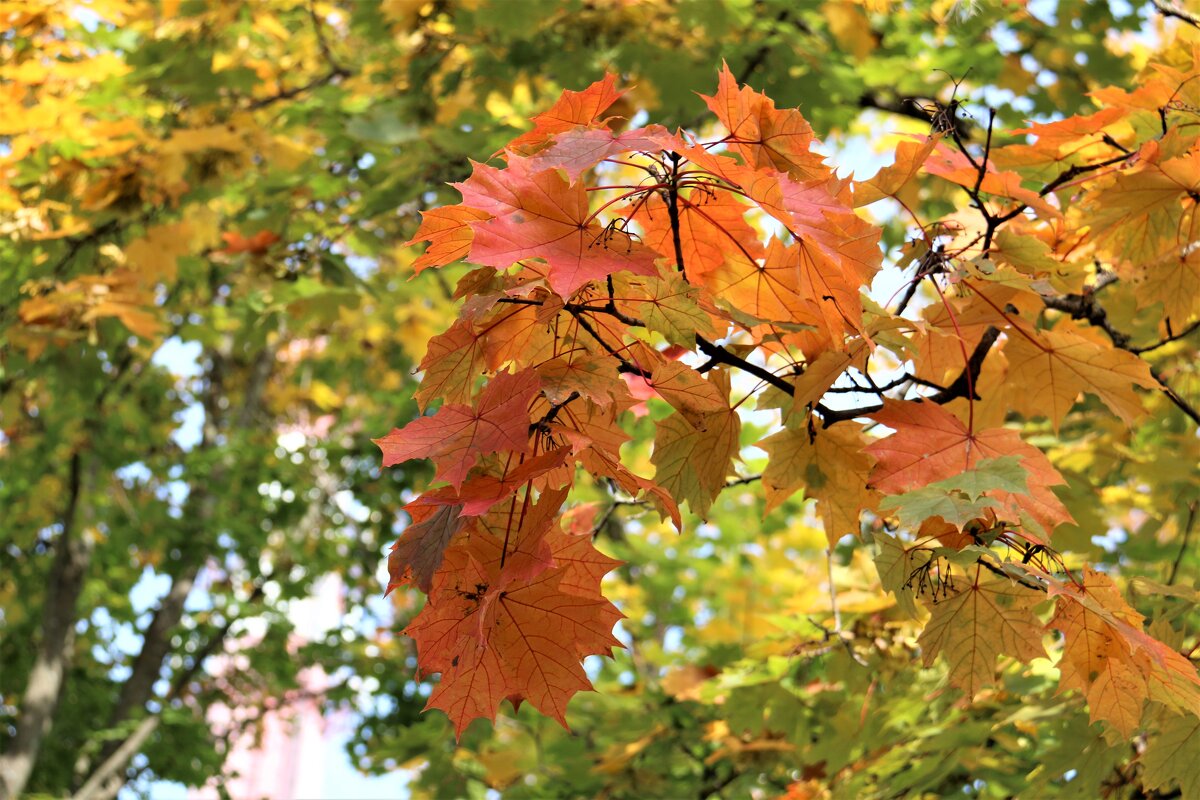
{"type": "Point", "coordinates": [1188, 331]}
{"type": "Point", "coordinates": [1183, 545]}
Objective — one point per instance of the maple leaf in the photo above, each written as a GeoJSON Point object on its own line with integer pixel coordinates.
{"type": "Point", "coordinates": [1061, 365]}
{"type": "Point", "coordinates": [542, 542]}
{"type": "Point", "coordinates": [1111, 660]}
{"type": "Point", "coordinates": [571, 110]}
{"type": "Point", "coordinates": [816, 212]}
{"type": "Point", "coordinates": [896, 565]}
{"type": "Point", "coordinates": [696, 399]}
{"type": "Point", "coordinates": [449, 233]}
{"type": "Point", "coordinates": [539, 214]}
{"type": "Point", "coordinates": [593, 376]}
{"type": "Point", "coordinates": [579, 149]}
{"type": "Point", "coordinates": [762, 134]}
{"type": "Point", "coordinates": [960, 499]}
{"type": "Point", "coordinates": [794, 283]}
{"type": "Point", "coordinates": [452, 362]}
{"type": "Point", "coordinates": [595, 437]}
{"type": "Point", "coordinates": [830, 466]}
{"type": "Point", "coordinates": [256, 244]}
{"type": "Point", "coordinates": [981, 621]}
{"type": "Point", "coordinates": [457, 434]}
{"type": "Point", "coordinates": [1173, 281]}
{"type": "Point", "coordinates": [958, 324]}
{"type": "Point", "coordinates": [953, 166]}
{"type": "Point", "coordinates": [500, 631]}
{"type": "Point", "coordinates": [418, 553]}
{"type": "Point", "coordinates": [931, 444]}
{"type": "Point", "coordinates": [665, 304]}
{"type": "Point", "coordinates": [155, 255]}
{"type": "Point", "coordinates": [583, 565]}
{"type": "Point", "coordinates": [820, 374]}
{"type": "Point", "coordinates": [487, 486]}
{"type": "Point", "coordinates": [692, 460]}
{"type": "Point", "coordinates": [1145, 213]}
{"type": "Point", "coordinates": [1172, 756]}
{"type": "Point", "coordinates": [888, 181]}
{"type": "Point", "coordinates": [1065, 142]}
{"type": "Point", "coordinates": [514, 539]}
{"type": "Point", "coordinates": [121, 294]}
{"type": "Point", "coordinates": [711, 222]}
{"type": "Point", "coordinates": [516, 334]}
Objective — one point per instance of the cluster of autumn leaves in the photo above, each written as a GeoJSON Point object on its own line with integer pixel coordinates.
{"type": "Point", "coordinates": [617, 265]}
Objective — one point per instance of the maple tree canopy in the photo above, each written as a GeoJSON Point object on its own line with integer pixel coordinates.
{"type": "Point", "coordinates": [803, 404]}
{"type": "Point", "coordinates": [730, 275]}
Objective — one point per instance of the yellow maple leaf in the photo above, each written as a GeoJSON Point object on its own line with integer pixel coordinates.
{"type": "Point", "coordinates": [831, 467]}
{"type": "Point", "coordinates": [987, 618]}
{"type": "Point", "coordinates": [1056, 366]}
{"type": "Point", "coordinates": [154, 255]}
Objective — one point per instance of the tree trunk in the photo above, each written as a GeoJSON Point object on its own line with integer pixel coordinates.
{"type": "Point", "coordinates": [72, 554]}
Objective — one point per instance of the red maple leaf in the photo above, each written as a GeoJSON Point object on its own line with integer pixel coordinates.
{"type": "Point", "coordinates": [579, 149]}
{"type": "Point", "coordinates": [458, 434]}
{"type": "Point", "coordinates": [931, 444]}
{"type": "Point", "coordinates": [539, 214]}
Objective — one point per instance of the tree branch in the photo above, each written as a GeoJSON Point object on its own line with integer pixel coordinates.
{"type": "Point", "coordinates": [968, 378]}
{"type": "Point", "coordinates": [910, 107]}
{"type": "Point", "coordinates": [1172, 10]}
{"type": "Point", "coordinates": [1183, 334]}
{"type": "Point", "coordinates": [107, 780]}
{"type": "Point", "coordinates": [1085, 306]}
{"type": "Point", "coordinates": [202, 505]}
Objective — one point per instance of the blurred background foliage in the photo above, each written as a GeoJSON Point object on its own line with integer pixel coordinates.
{"type": "Point", "coordinates": [205, 314]}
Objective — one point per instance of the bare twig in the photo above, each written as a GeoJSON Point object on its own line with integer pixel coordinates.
{"type": "Point", "coordinates": [1183, 544]}
{"type": "Point", "coordinates": [1188, 331]}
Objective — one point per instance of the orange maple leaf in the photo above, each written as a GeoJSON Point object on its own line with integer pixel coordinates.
{"type": "Point", "coordinates": [796, 283]}
{"type": "Point", "coordinates": [711, 224]}
{"type": "Point", "coordinates": [1059, 365]}
{"type": "Point", "coordinates": [498, 628]}
{"type": "Point", "coordinates": [256, 244]}
{"type": "Point", "coordinates": [448, 231]}
{"type": "Point", "coordinates": [572, 109]}
{"type": "Point", "coordinates": [1111, 660]}
{"type": "Point", "coordinates": [779, 139]}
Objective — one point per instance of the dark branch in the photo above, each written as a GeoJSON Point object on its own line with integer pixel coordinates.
{"type": "Point", "coordinates": [1085, 306]}
{"type": "Point", "coordinates": [968, 378]}
{"type": "Point", "coordinates": [911, 107]}
{"type": "Point", "coordinates": [333, 74]}
{"type": "Point", "coordinates": [64, 584]}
